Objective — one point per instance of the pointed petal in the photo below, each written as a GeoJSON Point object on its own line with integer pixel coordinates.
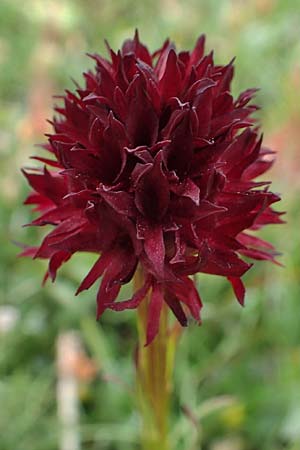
{"type": "Point", "coordinates": [140, 111]}
{"type": "Point", "coordinates": [136, 299]}
{"type": "Point", "coordinates": [188, 189]}
{"type": "Point", "coordinates": [221, 261]}
{"type": "Point", "coordinates": [155, 248]}
{"type": "Point", "coordinates": [95, 272]}
{"type": "Point", "coordinates": [50, 184]}
{"type": "Point", "coordinates": [187, 293]}
{"type": "Point", "coordinates": [106, 296]}
{"type": "Point", "coordinates": [154, 311]}
{"type": "Point", "coordinates": [152, 192]}
{"type": "Point", "coordinates": [176, 308]}
{"type": "Point", "coordinates": [139, 50]}
{"type": "Point", "coordinates": [54, 216]}
{"type": "Point", "coordinates": [198, 51]}
{"type": "Point", "coordinates": [239, 289]}
{"type": "Point", "coordinates": [180, 151]}
{"type": "Point", "coordinates": [120, 201]}
{"type": "Point", "coordinates": [56, 261]}
{"type": "Point", "coordinates": [170, 83]}
{"type": "Point", "coordinates": [120, 270]}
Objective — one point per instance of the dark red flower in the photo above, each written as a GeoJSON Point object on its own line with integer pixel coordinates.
{"type": "Point", "coordinates": [153, 163]}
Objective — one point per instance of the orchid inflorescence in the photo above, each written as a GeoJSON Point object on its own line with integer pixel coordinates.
{"type": "Point", "coordinates": [152, 166]}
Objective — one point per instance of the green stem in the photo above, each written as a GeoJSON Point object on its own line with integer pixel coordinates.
{"type": "Point", "coordinates": [154, 376]}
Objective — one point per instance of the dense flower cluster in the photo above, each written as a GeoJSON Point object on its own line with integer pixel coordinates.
{"type": "Point", "coordinates": [153, 163]}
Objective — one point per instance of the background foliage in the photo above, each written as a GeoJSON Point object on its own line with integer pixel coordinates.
{"type": "Point", "coordinates": [237, 376]}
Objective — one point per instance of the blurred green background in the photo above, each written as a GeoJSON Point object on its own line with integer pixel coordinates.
{"type": "Point", "coordinates": [237, 377]}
